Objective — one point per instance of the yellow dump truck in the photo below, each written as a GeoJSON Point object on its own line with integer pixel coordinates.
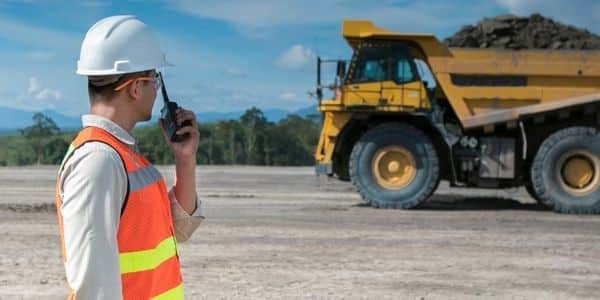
{"type": "Point", "coordinates": [406, 112]}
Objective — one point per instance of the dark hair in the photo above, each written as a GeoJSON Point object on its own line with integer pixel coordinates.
{"type": "Point", "coordinates": [99, 91]}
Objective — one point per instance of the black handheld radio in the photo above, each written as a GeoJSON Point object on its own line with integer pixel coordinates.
{"type": "Point", "coordinates": [168, 116]}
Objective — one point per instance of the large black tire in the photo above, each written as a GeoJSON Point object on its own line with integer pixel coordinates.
{"type": "Point", "coordinates": [537, 199]}
{"type": "Point", "coordinates": [425, 174]}
{"type": "Point", "coordinates": [549, 171]}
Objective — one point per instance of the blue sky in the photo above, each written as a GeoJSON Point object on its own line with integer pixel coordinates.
{"type": "Point", "coordinates": [229, 55]}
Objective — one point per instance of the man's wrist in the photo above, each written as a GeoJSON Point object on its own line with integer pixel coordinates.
{"type": "Point", "coordinates": [185, 162]}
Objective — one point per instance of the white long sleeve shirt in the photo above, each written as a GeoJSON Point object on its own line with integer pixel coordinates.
{"type": "Point", "coordinates": [93, 186]}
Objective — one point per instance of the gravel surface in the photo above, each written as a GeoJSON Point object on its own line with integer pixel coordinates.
{"type": "Point", "coordinates": [282, 233]}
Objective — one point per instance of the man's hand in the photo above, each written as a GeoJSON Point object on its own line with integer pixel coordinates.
{"type": "Point", "coordinates": [184, 151]}
{"type": "Point", "coordinates": [185, 160]}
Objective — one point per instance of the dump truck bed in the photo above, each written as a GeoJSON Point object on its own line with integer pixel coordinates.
{"type": "Point", "coordinates": [489, 86]}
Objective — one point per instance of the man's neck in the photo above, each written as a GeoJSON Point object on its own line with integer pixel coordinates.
{"type": "Point", "coordinates": [118, 115]}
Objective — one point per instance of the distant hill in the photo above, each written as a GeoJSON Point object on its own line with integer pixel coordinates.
{"type": "Point", "coordinates": [311, 110]}
{"type": "Point", "coordinates": [63, 121]}
{"type": "Point", "coordinates": [273, 115]}
{"type": "Point", "coordinates": [13, 119]}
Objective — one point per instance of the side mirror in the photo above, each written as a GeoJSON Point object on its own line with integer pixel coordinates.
{"type": "Point", "coordinates": [341, 69]}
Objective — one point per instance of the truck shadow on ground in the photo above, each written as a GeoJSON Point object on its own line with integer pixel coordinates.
{"type": "Point", "coordinates": [455, 202]}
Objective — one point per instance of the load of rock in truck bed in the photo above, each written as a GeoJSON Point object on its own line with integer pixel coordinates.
{"type": "Point", "coordinates": [513, 32]}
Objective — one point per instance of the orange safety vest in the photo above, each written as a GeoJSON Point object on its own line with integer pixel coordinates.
{"type": "Point", "coordinates": [148, 257]}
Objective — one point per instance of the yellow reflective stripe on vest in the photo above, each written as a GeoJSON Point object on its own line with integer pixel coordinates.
{"type": "Point", "coordinates": [137, 261]}
{"type": "Point", "coordinates": [67, 155]}
{"type": "Point", "coordinates": [174, 293]}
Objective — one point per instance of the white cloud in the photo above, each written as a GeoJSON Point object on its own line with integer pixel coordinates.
{"type": "Point", "coordinates": [257, 13]}
{"type": "Point", "coordinates": [36, 91]}
{"type": "Point", "coordinates": [34, 86]}
{"type": "Point", "coordinates": [296, 58]}
{"type": "Point", "coordinates": [421, 16]}
{"type": "Point", "coordinates": [47, 93]}
{"type": "Point", "coordinates": [267, 13]}
{"type": "Point", "coordinates": [37, 96]}
{"type": "Point", "coordinates": [254, 16]}
{"type": "Point", "coordinates": [288, 96]}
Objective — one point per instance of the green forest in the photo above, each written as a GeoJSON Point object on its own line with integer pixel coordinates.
{"type": "Point", "coordinates": [251, 140]}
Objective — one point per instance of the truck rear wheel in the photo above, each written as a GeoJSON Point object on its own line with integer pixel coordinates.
{"type": "Point", "coordinates": [565, 173]}
{"type": "Point", "coordinates": [531, 193]}
{"type": "Point", "coordinates": [394, 166]}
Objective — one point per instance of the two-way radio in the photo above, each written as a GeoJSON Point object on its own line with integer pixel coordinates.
{"type": "Point", "coordinates": [168, 116]}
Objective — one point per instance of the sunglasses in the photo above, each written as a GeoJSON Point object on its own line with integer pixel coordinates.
{"type": "Point", "coordinates": [155, 80]}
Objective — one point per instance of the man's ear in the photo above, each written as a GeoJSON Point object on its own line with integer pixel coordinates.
{"type": "Point", "coordinates": [133, 90]}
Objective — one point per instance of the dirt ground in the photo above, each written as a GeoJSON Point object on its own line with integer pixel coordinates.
{"type": "Point", "coordinates": [281, 233]}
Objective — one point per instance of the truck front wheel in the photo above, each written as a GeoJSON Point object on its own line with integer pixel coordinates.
{"type": "Point", "coordinates": [394, 166]}
{"type": "Point", "coordinates": [565, 173]}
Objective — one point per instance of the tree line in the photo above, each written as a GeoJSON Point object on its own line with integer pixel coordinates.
{"type": "Point", "coordinates": [251, 140]}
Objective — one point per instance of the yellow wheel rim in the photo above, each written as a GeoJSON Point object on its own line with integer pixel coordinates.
{"type": "Point", "coordinates": [394, 167]}
{"type": "Point", "coordinates": [578, 172]}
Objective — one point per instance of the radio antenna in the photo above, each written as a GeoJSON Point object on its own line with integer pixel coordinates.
{"type": "Point", "coordinates": [163, 88]}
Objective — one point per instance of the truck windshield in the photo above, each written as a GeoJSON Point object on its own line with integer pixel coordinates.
{"type": "Point", "coordinates": [381, 63]}
{"type": "Point", "coordinates": [372, 69]}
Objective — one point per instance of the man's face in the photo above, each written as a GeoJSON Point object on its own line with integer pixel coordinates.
{"type": "Point", "coordinates": [148, 88]}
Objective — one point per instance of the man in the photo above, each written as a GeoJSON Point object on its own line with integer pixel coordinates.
{"type": "Point", "coordinates": [119, 225]}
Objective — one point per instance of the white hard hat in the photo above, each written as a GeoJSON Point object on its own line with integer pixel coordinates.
{"type": "Point", "coordinates": [119, 45]}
